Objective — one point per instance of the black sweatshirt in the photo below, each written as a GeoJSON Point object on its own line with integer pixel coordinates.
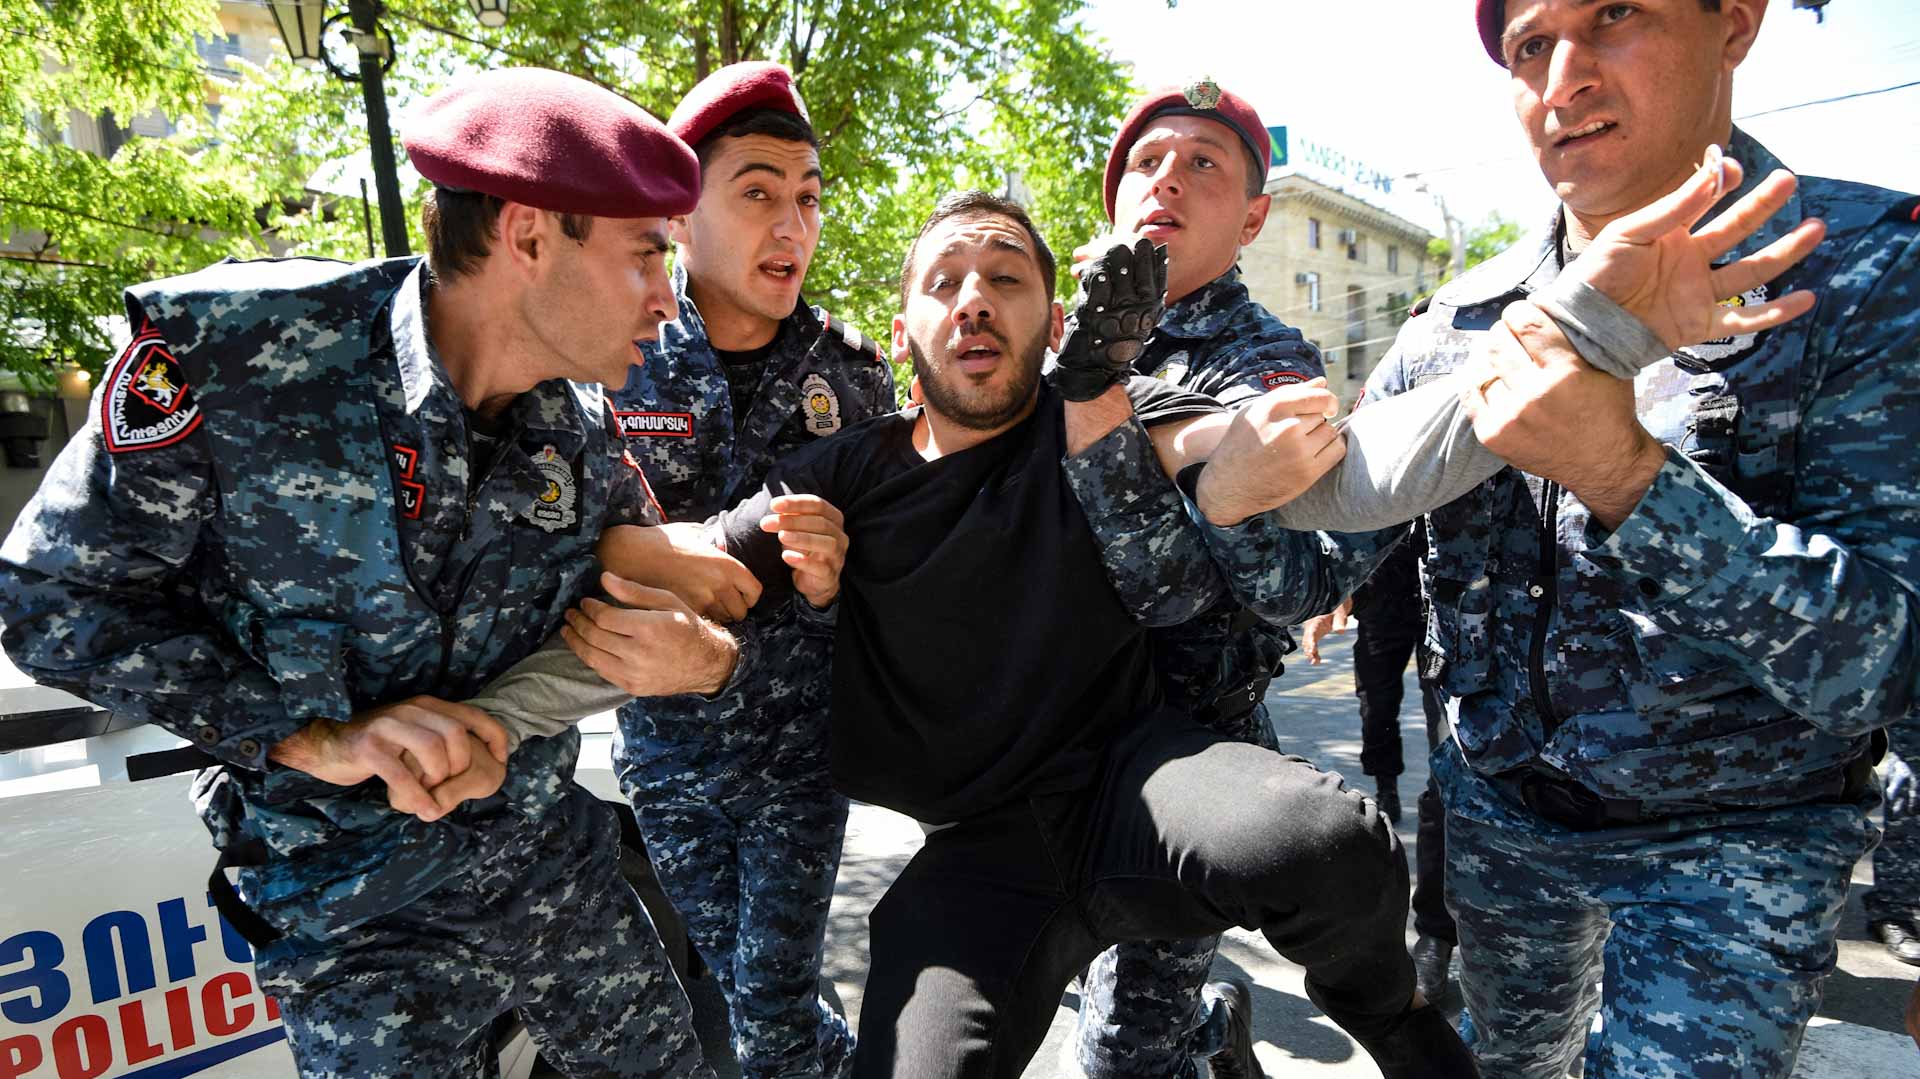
{"type": "Point", "coordinates": [980, 655]}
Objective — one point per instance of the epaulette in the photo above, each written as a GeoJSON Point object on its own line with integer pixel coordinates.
{"type": "Point", "coordinates": [1907, 210]}
{"type": "Point", "coordinates": [857, 341]}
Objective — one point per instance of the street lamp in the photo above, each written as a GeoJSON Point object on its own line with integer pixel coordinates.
{"type": "Point", "coordinates": [300, 23]}
{"type": "Point", "coordinates": [490, 12]}
{"type": "Point", "coordinates": [303, 26]}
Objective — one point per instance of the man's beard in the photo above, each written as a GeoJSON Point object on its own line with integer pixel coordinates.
{"type": "Point", "coordinates": [982, 408]}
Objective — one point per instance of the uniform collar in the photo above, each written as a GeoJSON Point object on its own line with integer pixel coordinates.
{"type": "Point", "coordinates": [413, 353]}
{"type": "Point", "coordinates": [550, 411]}
{"type": "Point", "coordinates": [1535, 260]}
{"type": "Point", "coordinates": [1759, 163]}
{"type": "Point", "coordinates": [1528, 264]}
{"type": "Point", "coordinates": [1206, 310]}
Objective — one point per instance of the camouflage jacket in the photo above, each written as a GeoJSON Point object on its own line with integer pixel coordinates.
{"type": "Point", "coordinates": [678, 415]}
{"type": "Point", "coordinates": [1737, 637]}
{"type": "Point", "coordinates": [1228, 593]}
{"type": "Point", "coordinates": [270, 519]}
{"type": "Point", "coordinates": [1217, 341]}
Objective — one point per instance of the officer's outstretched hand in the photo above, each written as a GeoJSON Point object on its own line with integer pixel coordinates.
{"type": "Point", "coordinates": [1652, 264]}
{"type": "Point", "coordinates": [1273, 448]}
{"type": "Point", "coordinates": [681, 558]}
{"type": "Point", "coordinates": [813, 540]}
{"type": "Point", "coordinates": [1122, 293]}
{"type": "Point", "coordinates": [411, 745]}
{"type": "Point", "coordinates": [653, 644]}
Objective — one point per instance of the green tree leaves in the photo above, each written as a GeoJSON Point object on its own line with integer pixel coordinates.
{"type": "Point", "coordinates": [910, 100]}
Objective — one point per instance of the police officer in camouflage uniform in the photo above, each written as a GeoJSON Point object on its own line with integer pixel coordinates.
{"type": "Point", "coordinates": [1666, 645]}
{"type": "Point", "coordinates": [1186, 170]}
{"type": "Point", "coordinates": [309, 491]}
{"type": "Point", "coordinates": [732, 793]}
{"type": "Point", "coordinates": [1893, 905]}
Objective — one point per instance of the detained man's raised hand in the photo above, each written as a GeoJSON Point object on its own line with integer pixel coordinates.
{"type": "Point", "coordinates": [1122, 294]}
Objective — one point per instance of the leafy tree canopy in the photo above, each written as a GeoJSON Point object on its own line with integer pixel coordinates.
{"type": "Point", "coordinates": [910, 100]}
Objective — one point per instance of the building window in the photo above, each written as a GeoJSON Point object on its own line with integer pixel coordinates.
{"type": "Point", "coordinates": [217, 53]}
{"type": "Point", "coordinates": [1393, 260]}
{"type": "Point", "coordinates": [1313, 235]}
{"type": "Point", "coordinates": [1356, 245]}
{"type": "Point", "coordinates": [1312, 281]}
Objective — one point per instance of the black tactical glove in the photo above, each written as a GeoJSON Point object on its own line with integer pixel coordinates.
{"type": "Point", "coordinates": [1122, 294]}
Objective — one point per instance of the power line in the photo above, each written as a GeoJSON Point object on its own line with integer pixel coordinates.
{"type": "Point", "coordinates": [1384, 286]}
{"type": "Point", "coordinates": [1830, 100]}
{"type": "Point", "coordinates": [1507, 158]}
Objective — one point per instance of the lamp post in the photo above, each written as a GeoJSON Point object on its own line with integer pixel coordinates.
{"type": "Point", "coordinates": [1456, 233]}
{"type": "Point", "coordinates": [303, 25]}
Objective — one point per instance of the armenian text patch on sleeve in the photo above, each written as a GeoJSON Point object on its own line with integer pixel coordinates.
{"type": "Point", "coordinates": [1271, 379]}
{"type": "Point", "coordinates": [147, 402]}
{"type": "Point", "coordinates": [655, 424]}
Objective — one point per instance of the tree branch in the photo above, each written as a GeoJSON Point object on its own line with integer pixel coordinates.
{"type": "Point", "coordinates": [34, 261]}
{"type": "Point", "coordinates": [91, 217]}
{"type": "Point", "coordinates": [585, 73]}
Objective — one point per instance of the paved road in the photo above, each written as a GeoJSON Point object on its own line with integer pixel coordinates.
{"type": "Point", "coordinates": [1856, 1036]}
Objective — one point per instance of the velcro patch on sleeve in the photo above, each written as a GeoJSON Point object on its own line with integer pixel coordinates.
{"type": "Point", "coordinates": [1271, 379]}
{"type": "Point", "coordinates": [147, 403]}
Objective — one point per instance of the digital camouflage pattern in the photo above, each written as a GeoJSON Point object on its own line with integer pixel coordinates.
{"type": "Point", "coordinates": [1730, 646]}
{"type": "Point", "coordinates": [1695, 655]}
{"type": "Point", "coordinates": [1896, 862]}
{"type": "Point", "coordinates": [386, 997]}
{"type": "Point", "coordinates": [752, 874]}
{"type": "Point", "coordinates": [312, 543]}
{"type": "Point", "coordinates": [1139, 1006]}
{"type": "Point", "coordinates": [732, 791]}
{"type": "Point", "coordinates": [1716, 934]}
{"type": "Point", "coordinates": [1217, 341]}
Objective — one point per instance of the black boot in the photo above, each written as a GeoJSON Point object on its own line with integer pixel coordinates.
{"type": "Point", "coordinates": [1235, 1060]}
{"type": "Point", "coordinates": [1418, 1043]}
{"type": "Point", "coordinates": [1387, 797]}
{"type": "Point", "coordinates": [1431, 958]}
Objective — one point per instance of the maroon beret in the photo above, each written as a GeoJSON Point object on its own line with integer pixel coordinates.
{"type": "Point", "coordinates": [1492, 16]}
{"type": "Point", "coordinates": [1202, 98]}
{"type": "Point", "coordinates": [730, 91]}
{"type": "Point", "coordinates": [552, 141]}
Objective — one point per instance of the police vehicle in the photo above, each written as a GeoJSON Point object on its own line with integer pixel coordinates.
{"type": "Point", "coordinates": [113, 961]}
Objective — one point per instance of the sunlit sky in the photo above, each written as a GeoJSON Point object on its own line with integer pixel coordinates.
{"type": "Point", "coordinates": [1403, 86]}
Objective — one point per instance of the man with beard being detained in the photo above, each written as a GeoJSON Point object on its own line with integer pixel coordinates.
{"type": "Point", "coordinates": [991, 682]}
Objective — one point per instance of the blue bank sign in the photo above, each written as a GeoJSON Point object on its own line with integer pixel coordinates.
{"type": "Point", "coordinates": [1295, 152]}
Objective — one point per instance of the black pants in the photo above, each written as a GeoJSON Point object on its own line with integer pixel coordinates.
{"type": "Point", "coordinates": [1430, 917]}
{"type": "Point", "coordinates": [1382, 647]}
{"type": "Point", "coordinates": [1186, 834]}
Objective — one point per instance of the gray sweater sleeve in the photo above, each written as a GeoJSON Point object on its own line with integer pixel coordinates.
{"type": "Point", "coordinates": [546, 693]}
{"type": "Point", "coordinates": [1416, 451]}
{"type": "Point", "coordinates": [1406, 454]}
